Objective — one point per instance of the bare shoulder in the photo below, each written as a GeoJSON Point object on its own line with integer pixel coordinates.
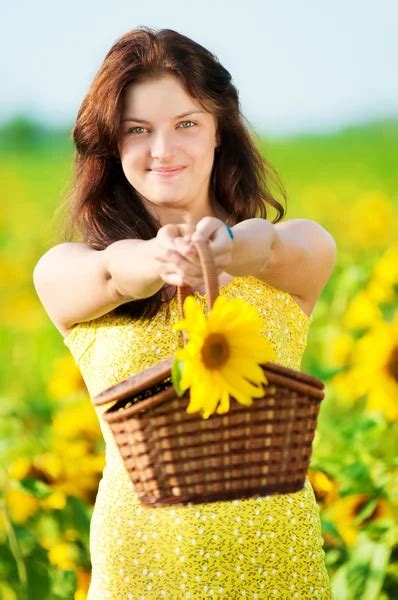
{"type": "Point", "coordinates": [317, 262]}
{"type": "Point", "coordinates": [73, 285]}
{"type": "Point", "coordinates": [64, 247]}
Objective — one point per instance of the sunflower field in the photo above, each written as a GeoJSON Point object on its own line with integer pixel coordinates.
{"type": "Point", "coordinates": [51, 447]}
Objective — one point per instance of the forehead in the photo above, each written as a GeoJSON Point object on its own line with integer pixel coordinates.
{"type": "Point", "coordinates": [157, 96]}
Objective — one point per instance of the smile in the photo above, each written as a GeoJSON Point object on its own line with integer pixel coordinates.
{"type": "Point", "coordinates": [168, 172]}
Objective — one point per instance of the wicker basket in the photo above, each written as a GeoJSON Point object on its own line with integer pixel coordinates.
{"type": "Point", "coordinates": [177, 458]}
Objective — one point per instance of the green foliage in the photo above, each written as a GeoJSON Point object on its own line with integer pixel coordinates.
{"type": "Point", "coordinates": [22, 134]}
{"type": "Point", "coordinates": [176, 374]}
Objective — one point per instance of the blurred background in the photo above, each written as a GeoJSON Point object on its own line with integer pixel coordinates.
{"type": "Point", "coordinates": [318, 84]}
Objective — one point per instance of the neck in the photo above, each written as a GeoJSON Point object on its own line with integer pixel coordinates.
{"type": "Point", "coordinates": [188, 215]}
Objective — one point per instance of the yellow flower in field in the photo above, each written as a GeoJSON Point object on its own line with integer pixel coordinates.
{"type": "Point", "coordinates": [386, 269]}
{"type": "Point", "coordinates": [22, 311]}
{"type": "Point", "coordinates": [55, 500]}
{"type": "Point", "coordinates": [361, 312]}
{"type": "Point", "coordinates": [78, 420]}
{"type": "Point", "coordinates": [338, 349]}
{"type": "Point", "coordinates": [50, 464]}
{"type": "Point", "coordinates": [364, 309]}
{"type": "Point", "coordinates": [21, 504]}
{"type": "Point", "coordinates": [374, 369]}
{"type": "Point", "coordinates": [385, 277]}
{"type": "Point", "coordinates": [223, 354]}
{"type": "Point", "coordinates": [324, 487]}
{"type": "Point", "coordinates": [20, 467]}
{"type": "Point", "coordinates": [380, 292]}
{"type": "Point", "coordinates": [83, 583]}
{"type": "Point", "coordinates": [345, 511]}
{"type": "Point", "coordinates": [65, 379]}
{"type": "Point", "coordinates": [63, 555]}
{"type": "Point", "coordinates": [374, 220]}
{"type": "Point", "coordinates": [13, 272]}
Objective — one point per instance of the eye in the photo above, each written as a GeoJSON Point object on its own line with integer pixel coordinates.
{"type": "Point", "coordinates": [132, 128]}
{"type": "Point", "coordinates": [187, 122]}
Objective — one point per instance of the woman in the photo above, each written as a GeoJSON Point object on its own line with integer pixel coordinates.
{"type": "Point", "coordinates": [164, 158]}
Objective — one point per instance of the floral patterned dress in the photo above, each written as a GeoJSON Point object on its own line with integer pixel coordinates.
{"type": "Point", "coordinates": [259, 548]}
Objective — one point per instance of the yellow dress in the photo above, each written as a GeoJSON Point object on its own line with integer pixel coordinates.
{"type": "Point", "coordinates": [262, 547]}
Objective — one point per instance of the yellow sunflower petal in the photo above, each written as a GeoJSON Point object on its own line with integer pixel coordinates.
{"type": "Point", "coordinates": [191, 372]}
{"type": "Point", "coordinates": [201, 380]}
{"type": "Point", "coordinates": [234, 311]}
{"type": "Point", "coordinates": [245, 329]}
{"type": "Point", "coordinates": [232, 385]}
{"type": "Point", "coordinates": [195, 400]}
{"type": "Point", "coordinates": [245, 387]}
{"type": "Point", "coordinates": [223, 407]}
{"type": "Point", "coordinates": [259, 350]}
{"type": "Point", "coordinates": [193, 310]}
{"type": "Point", "coordinates": [239, 396]}
{"type": "Point", "coordinates": [251, 370]}
{"type": "Point", "coordinates": [195, 319]}
{"type": "Point", "coordinates": [210, 402]}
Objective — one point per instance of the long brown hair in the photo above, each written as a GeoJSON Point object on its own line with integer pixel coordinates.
{"type": "Point", "coordinates": [102, 206]}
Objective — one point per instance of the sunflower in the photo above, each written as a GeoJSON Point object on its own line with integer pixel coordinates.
{"type": "Point", "coordinates": [374, 369]}
{"type": "Point", "coordinates": [222, 356]}
{"type": "Point", "coordinates": [345, 514]}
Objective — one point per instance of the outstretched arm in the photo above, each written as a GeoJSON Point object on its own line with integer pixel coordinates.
{"type": "Point", "coordinates": [297, 256]}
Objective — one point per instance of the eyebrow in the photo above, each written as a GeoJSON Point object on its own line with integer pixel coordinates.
{"type": "Point", "coordinates": [177, 117]}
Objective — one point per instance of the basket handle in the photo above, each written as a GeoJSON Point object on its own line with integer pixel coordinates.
{"type": "Point", "coordinates": [209, 271]}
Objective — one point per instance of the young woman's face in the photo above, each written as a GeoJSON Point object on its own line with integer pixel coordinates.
{"type": "Point", "coordinates": [157, 134]}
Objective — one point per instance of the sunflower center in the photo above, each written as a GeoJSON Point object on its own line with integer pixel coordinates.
{"type": "Point", "coordinates": [392, 364]}
{"type": "Point", "coordinates": [215, 350]}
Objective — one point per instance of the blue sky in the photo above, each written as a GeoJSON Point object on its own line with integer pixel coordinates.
{"type": "Point", "coordinates": [300, 66]}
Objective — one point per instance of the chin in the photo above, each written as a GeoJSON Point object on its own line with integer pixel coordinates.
{"type": "Point", "coordinates": [169, 198]}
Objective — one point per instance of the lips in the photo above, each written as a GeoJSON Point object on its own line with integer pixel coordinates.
{"type": "Point", "coordinates": [167, 173]}
{"type": "Point", "coordinates": [169, 169]}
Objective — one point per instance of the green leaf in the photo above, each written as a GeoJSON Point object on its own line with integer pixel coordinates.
{"type": "Point", "coordinates": [378, 569]}
{"type": "Point", "coordinates": [38, 574]}
{"type": "Point", "coordinates": [329, 528]}
{"type": "Point", "coordinates": [366, 510]}
{"type": "Point", "coordinates": [368, 566]}
{"type": "Point", "coordinates": [340, 586]}
{"type": "Point", "coordinates": [35, 487]}
{"type": "Point", "coordinates": [176, 374]}
{"type": "Point", "coordinates": [63, 584]}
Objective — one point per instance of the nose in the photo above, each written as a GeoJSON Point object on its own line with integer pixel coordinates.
{"type": "Point", "coordinates": [162, 146]}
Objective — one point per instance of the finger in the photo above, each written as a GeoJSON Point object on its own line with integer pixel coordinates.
{"type": "Point", "coordinates": [180, 279]}
{"type": "Point", "coordinates": [173, 279]}
{"type": "Point", "coordinates": [167, 234]}
{"type": "Point", "coordinates": [187, 249]}
{"type": "Point", "coordinates": [205, 228]}
{"type": "Point", "coordinates": [167, 255]}
{"type": "Point", "coordinates": [187, 230]}
{"type": "Point", "coordinates": [220, 242]}
{"type": "Point", "coordinates": [175, 261]}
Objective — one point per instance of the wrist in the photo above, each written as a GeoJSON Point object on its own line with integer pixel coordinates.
{"type": "Point", "coordinates": [132, 266]}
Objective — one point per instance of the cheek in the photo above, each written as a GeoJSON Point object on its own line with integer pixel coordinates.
{"type": "Point", "coordinates": [133, 163]}
{"type": "Point", "coordinates": [200, 150]}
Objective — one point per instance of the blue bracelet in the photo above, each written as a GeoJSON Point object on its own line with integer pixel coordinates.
{"type": "Point", "coordinates": [231, 233]}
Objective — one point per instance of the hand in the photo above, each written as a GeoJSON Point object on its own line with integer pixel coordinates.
{"type": "Point", "coordinates": [213, 231]}
{"type": "Point", "coordinates": [178, 261]}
